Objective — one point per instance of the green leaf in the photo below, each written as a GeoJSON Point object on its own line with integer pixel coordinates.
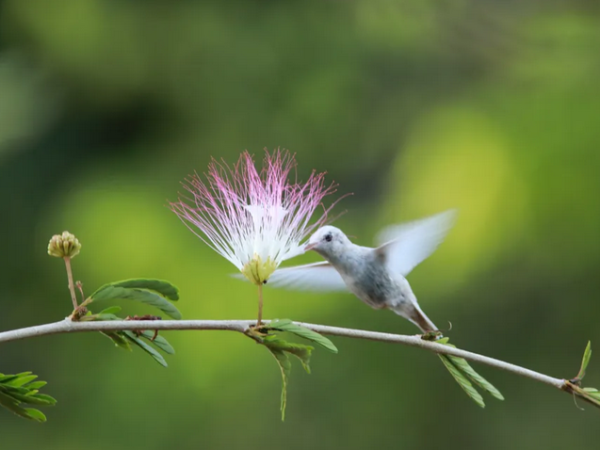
{"type": "Point", "coordinates": [280, 349]}
{"type": "Point", "coordinates": [8, 378]}
{"type": "Point", "coordinates": [587, 355]}
{"type": "Point", "coordinates": [147, 348]}
{"type": "Point", "coordinates": [118, 339]}
{"type": "Point", "coordinates": [43, 399]}
{"type": "Point", "coordinates": [35, 414]}
{"type": "Point", "coordinates": [109, 292]}
{"type": "Point", "coordinates": [463, 382]}
{"type": "Point", "coordinates": [162, 287]}
{"type": "Point", "coordinates": [595, 395]}
{"type": "Point", "coordinates": [463, 365]}
{"type": "Point", "coordinates": [285, 366]}
{"type": "Point", "coordinates": [159, 341]}
{"type": "Point", "coordinates": [290, 327]}
{"type": "Point", "coordinates": [30, 398]}
{"type": "Point", "coordinates": [300, 351]}
{"type": "Point", "coordinates": [111, 310]}
{"type": "Point", "coordinates": [37, 385]}
{"type": "Point", "coordinates": [11, 397]}
{"type": "Point", "coordinates": [21, 380]}
{"type": "Point", "coordinates": [13, 405]}
{"type": "Point", "coordinates": [122, 339]}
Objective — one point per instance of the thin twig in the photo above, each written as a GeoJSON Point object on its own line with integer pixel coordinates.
{"type": "Point", "coordinates": [68, 326]}
{"type": "Point", "coordinates": [260, 305]}
{"type": "Point", "coordinates": [71, 284]}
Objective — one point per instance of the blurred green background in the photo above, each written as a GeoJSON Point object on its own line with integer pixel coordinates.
{"type": "Point", "coordinates": [413, 106]}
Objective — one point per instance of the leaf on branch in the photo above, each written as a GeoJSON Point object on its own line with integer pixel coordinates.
{"type": "Point", "coordinates": [465, 368]}
{"type": "Point", "coordinates": [587, 355]}
{"type": "Point", "coordinates": [118, 339]}
{"type": "Point", "coordinates": [300, 351]}
{"type": "Point", "coordinates": [463, 382]}
{"type": "Point", "coordinates": [110, 310]}
{"type": "Point", "coordinates": [161, 287]}
{"type": "Point", "coordinates": [285, 366]}
{"type": "Point", "coordinates": [123, 338]}
{"type": "Point", "coordinates": [303, 332]}
{"type": "Point", "coordinates": [20, 389]}
{"type": "Point", "coordinates": [159, 342]}
{"type": "Point", "coordinates": [280, 349]}
{"type": "Point", "coordinates": [152, 298]}
{"type": "Point", "coordinates": [146, 347]}
{"type": "Point", "coordinates": [484, 384]}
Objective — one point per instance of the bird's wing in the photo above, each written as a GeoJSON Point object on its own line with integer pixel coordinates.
{"type": "Point", "coordinates": [406, 245]}
{"type": "Point", "coordinates": [319, 276]}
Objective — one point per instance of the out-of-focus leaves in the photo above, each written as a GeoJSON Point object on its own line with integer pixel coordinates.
{"type": "Point", "coordinates": [20, 389]}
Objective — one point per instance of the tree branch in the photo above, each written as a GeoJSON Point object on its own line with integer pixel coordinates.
{"type": "Point", "coordinates": [68, 326]}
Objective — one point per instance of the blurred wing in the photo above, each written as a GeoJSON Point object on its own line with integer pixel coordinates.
{"type": "Point", "coordinates": [406, 245]}
{"type": "Point", "coordinates": [317, 277]}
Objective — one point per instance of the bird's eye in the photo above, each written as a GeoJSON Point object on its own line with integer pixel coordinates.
{"type": "Point", "coordinates": [328, 237]}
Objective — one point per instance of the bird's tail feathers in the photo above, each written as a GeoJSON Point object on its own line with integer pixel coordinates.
{"type": "Point", "coordinates": [413, 313]}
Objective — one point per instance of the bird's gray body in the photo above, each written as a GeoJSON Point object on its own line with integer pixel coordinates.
{"type": "Point", "coordinates": [366, 274]}
{"type": "Point", "coordinates": [377, 276]}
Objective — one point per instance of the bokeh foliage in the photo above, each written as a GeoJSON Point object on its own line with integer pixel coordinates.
{"type": "Point", "coordinates": [414, 107]}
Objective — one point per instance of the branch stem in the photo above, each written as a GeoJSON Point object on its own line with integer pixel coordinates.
{"type": "Point", "coordinates": [260, 305]}
{"type": "Point", "coordinates": [71, 283]}
{"type": "Point", "coordinates": [241, 326]}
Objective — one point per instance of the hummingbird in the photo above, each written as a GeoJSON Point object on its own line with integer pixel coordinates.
{"type": "Point", "coordinates": [377, 276]}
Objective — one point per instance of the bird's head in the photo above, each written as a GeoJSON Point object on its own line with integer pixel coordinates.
{"type": "Point", "coordinates": [328, 241]}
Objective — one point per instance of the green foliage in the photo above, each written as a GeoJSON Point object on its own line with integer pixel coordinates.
{"type": "Point", "coordinates": [161, 287]}
{"type": "Point", "coordinates": [146, 347]}
{"type": "Point", "coordinates": [587, 355]}
{"type": "Point", "coordinates": [152, 292]}
{"type": "Point", "coordinates": [156, 293]}
{"type": "Point", "coordinates": [303, 332]}
{"type": "Point", "coordinates": [124, 339]}
{"type": "Point", "coordinates": [282, 349]}
{"type": "Point", "coordinates": [466, 376]}
{"type": "Point", "coordinates": [589, 394]}
{"type": "Point", "coordinates": [20, 389]}
{"type": "Point", "coordinates": [462, 381]}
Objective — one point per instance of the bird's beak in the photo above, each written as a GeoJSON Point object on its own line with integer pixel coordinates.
{"type": "Point", "coordinates": [309, 246]}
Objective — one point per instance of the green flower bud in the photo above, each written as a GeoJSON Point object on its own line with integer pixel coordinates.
{"type": "Point", "coordinates": [64, 245]}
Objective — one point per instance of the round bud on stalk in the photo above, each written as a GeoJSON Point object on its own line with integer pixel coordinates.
{"type": "Point", "coordinates": [64, 245]}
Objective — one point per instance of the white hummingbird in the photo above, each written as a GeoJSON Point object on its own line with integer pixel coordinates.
{"type": "Point", "coordinates": [377, 276]}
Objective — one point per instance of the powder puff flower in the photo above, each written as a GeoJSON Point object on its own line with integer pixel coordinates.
{"type": "Point", "coordinates": [253, 219]}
